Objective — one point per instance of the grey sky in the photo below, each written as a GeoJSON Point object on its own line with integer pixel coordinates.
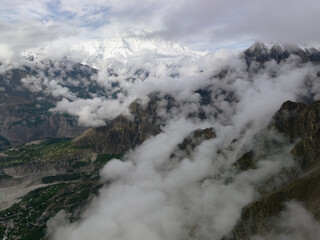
{"type": "Point", "coordinates": [201, 24]}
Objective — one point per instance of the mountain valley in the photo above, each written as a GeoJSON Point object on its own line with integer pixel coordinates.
{"type": "Point", "coordinates": [232, 139]}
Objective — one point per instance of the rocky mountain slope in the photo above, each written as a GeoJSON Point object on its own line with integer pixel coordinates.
{"type": "Point", "coordinates": [300, 124]}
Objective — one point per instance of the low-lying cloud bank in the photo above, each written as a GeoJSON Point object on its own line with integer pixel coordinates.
{"type": "Point", "coordinates": [201, 195]}
{"type": "Point", "coordinates": [124, 80]}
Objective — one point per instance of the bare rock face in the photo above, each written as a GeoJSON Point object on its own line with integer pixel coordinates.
{"type": "Point", "coordinates": [246, 161]}
{"type": "Point", "coordinates": [297, 120]}
{"type": "Point", "coordinates": [307, 151]}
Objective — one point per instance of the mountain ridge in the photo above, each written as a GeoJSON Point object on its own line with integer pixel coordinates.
{"type": "Point", "coordinates": [95, 51]}
{"type": "Point", "coordinates": [263, 52]}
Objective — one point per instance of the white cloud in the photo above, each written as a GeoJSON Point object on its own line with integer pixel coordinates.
{"type": "Point", "coordinates": [47, 86]}
{"type": "Point", "coordinates": [6, 53]}
{"type": "Point", "coordinates": [139, 76]}
{"type": "Point", "coordinates": [93, 112]}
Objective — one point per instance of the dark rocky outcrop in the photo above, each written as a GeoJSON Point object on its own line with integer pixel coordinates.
{"type": "Point", "coordinates": [246, 161]}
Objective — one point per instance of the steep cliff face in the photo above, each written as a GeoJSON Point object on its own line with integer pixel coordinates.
{"type": "Point", "coordinates": [299, 123]}
{"type": "Point", "coordinates": [23, 124]}
{"type": "Point", "coordinates": [28, 92]}
{"type": "Point", "coordinates": [258, 218]}
{"type": "Point", "coordinates": [292, 123]}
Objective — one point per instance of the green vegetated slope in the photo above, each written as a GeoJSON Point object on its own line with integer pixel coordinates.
{"type": "Point", "coordinates": [69, 189]}
{"type": "Point", "coordinates": [27, 219]}
{"type": "Point", "coordinates": [41, 150]}
{"type": "Point", "coordinates": [72, 159]}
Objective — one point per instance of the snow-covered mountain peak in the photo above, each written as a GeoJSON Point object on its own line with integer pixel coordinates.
{"type": "Point", "coordinates": [263, 52]}
{"type": "Point", "coordinates": [95, 51]}
{"type": "Point", "coordinates": [120, 46]}
{"type": "Point", "coordinates": [267, 47]}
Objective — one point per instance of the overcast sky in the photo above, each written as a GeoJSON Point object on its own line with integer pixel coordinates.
{"type": "Point", "coordinates": [199, 24]}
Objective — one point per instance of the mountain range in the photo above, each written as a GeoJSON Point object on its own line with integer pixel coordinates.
{"type": "Point", "coordinates": [93, 52]}
{"type": "Point", "coordinates": [250, 129]}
